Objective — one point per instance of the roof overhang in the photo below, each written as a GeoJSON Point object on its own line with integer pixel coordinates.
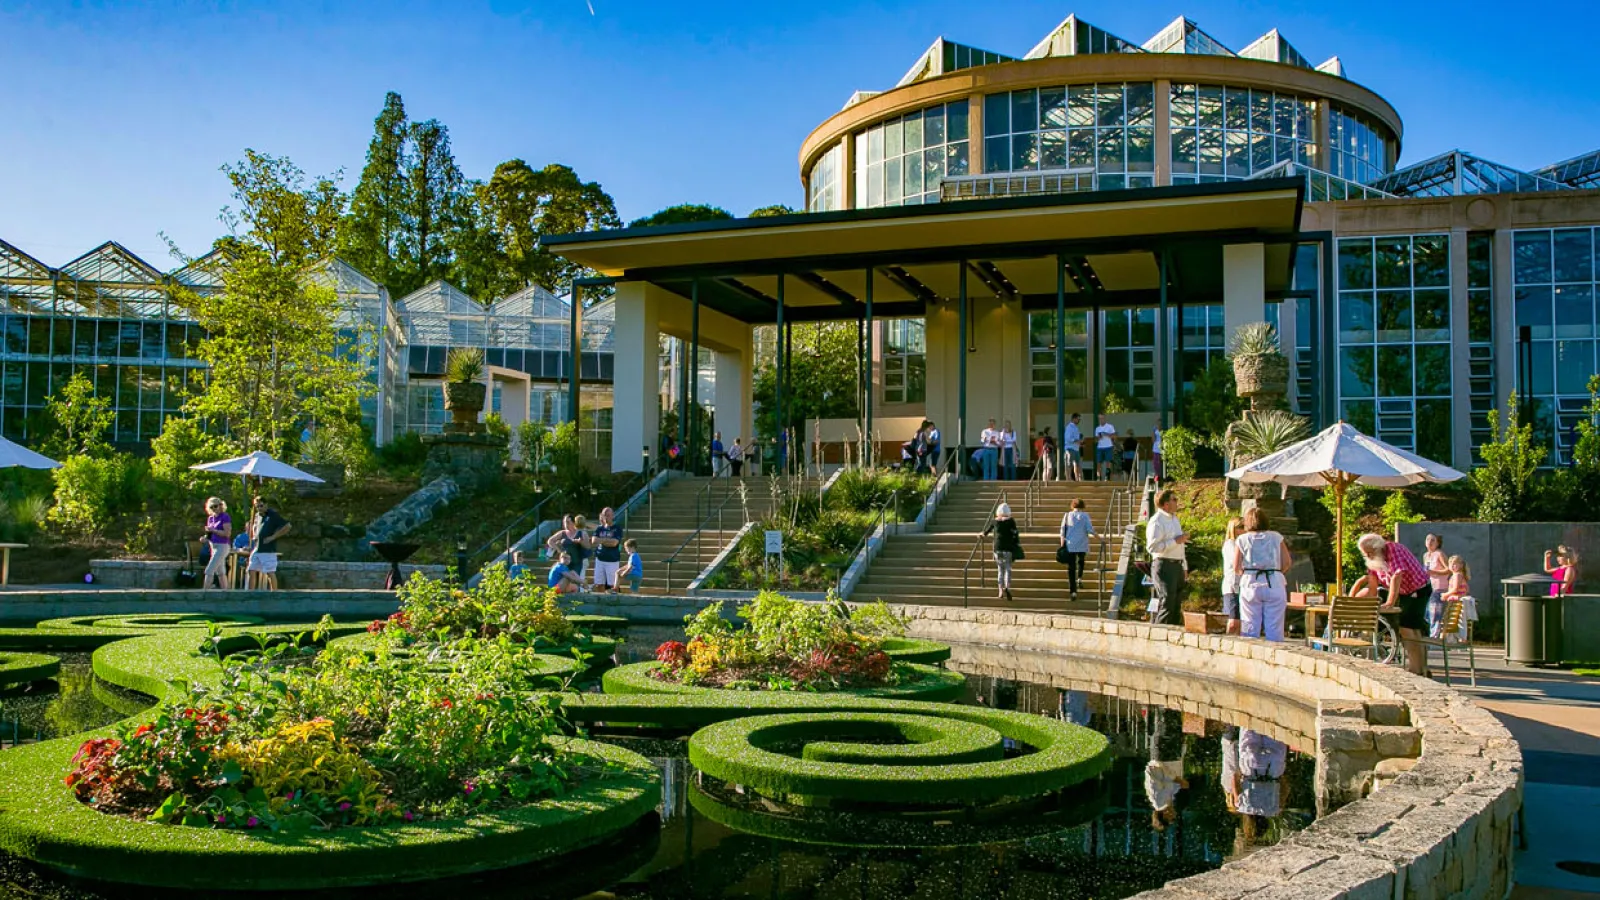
{"type": "Point", "coordinates": [1008, 247]}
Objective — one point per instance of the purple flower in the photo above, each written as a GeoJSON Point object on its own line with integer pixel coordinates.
{"type": "Point", "coordinates": [252, 822]}
{"type": "Point", "coordinates": [222, 818]}
{"type": "Point", "coordinates": [344, 807]}
{"type": "Point", "coordinates": [468, 786]}
{"type": "Point", "coordinates": [409, 816]}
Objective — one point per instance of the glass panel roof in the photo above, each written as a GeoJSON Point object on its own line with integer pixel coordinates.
{"type": "Point", "coordinates": [1457, 173]}
{"type": "Point", "coordinates": [945, 57]}
{"type": "Point", "coordinates": [1184, 36]}
{"type": "Point", "coordinates": [1075, 37]}
{"type": "Point", "coordinates": [1579, 172]}
{"type": "Point", "coordinates": [1273, 48]}
{"type": "Point", "coordinates": [1322, 185]}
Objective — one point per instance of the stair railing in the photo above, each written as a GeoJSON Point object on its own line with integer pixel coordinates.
{"type": "Point", "coordinates": [1035, 487]}
{"type": "Point", "coordinates": [505, 532]}
{"type": "Point", "coordinates": [879, 518]}
{"type": "Point", "coordinates": [698, 537]}
{"type": "Point", "coordinates": [977, 542]}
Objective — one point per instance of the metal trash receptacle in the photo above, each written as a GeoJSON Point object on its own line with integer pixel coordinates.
{"type": "Point", "coordinates": [1526, 642]}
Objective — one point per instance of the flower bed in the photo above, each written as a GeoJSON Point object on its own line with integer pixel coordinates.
{"type": "Point", "coordinates": [23, 668]}
{"type": "Point", "coordinates": [787, 645]}
{"type": "Point", "coordinates": [521, 610]}
{"type": "Point", "coordinates": [236, 734]}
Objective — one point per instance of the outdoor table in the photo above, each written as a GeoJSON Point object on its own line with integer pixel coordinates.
{"type": "Point", "coordinates": [5, 560]}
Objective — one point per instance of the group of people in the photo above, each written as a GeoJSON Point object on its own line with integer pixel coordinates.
{"type": "Point", "coordinates": [996, 454]}
{"type": "Point", "coordinates": [1076, 529]}
{"type": "Point", "coordinates": [258, 541]}
{"type": "Point", "coordinates": [727, 461]}
{"type": "Point", "coordinates": [585, 559]}
{"type": "Point", "coordinates": [921, 453]}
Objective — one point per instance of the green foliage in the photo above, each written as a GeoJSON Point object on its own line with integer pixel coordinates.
{"type": "Point", "coordinates": [1265, 433]}
{"type": "Point", "coordinates": [521, 609]}
{"type": "Point", "coordinates": [1510, 458]}
{"type": "Point", "coordinates": [1177, 452]}
{"type": "Point", "coordinates": [464, 365]}
{"type": "Point", "coordinates": [184, 443]}
{"type": "Point", "coordinates": [91, 492]}
{"type": "Point", "coordinates": [530, 438]}
{"type": "Point", "coordinates": [1113, 403]}
{"type": "Point", "coordinates": [403, 454]}
{"type": "Point", "coordinates": [340, 443]}
{"type": "Point", "coordinates": [81, 420]}
{"type": "Point", "coordinates": [1397, 510]}
{"type": "Point", "coordinates": [682, 214]}
{"type": "Point", "coordinates": [1255, 339]}
{"type": "Point", "coordinates": [1572, 494]}
{"type": "Point", "coordinates": [22, 517]}
{"type": "Point", "coordinates": [23, 668]}
{"type": "Point", "coordinates": [777, 209]}
{"type": "Point", "coordinates": [865, 490]}
{"type": "Point", "coordinates": [1214, 402]}
{"type": "Point", "coordinates": [1357, 500]}
{"type": "Point", "coordinates": [824, 378]}
{"type": "Point", "coordinates": [517, 207]}
{"type": "Point", "coordinates": [496, 425]}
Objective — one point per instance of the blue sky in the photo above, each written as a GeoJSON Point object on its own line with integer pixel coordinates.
{"type": "Point", "coordinates": [117, 114]}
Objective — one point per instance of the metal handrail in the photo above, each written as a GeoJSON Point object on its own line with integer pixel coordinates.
{"type": "Point", "coordinates": [983, 573]}
{"type": "Point", "coordinates": [696, 538]}
{"type": "Point", "coordinates": [878, 519]}
{"type": "Point", "coordinates": [495, 541]}
{"type": "Point", "coordinates": [1030, 496]}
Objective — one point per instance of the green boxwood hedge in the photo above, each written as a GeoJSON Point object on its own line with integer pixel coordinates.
{"type": "Point", "coordinates": [881, 739]}
{"type": "Point", "coordinates": [599, 623]}
{"type": "Point", "coordinates": [41, 820]}
{"type": "Point", "coordinates": [23, 668]}
{"type": "Point", "coordinates": [143, 623]}
{"type": "Point", "coordinates": [931, 685]}
{"type": "Point", "coordinates": [914, 650]}
{"type": "Point", "coordinates": [1063, 755]}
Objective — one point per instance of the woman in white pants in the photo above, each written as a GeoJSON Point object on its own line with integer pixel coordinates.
{"type": "Point", "coordinates": [219, 533]}
{"type": "Point", "coordinates": [1260, 558]}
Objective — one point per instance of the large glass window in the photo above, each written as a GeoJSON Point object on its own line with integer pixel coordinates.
{"type": "Point", "coordinates": [1555, 285]}
{"type": "Point", "coordinates": [1394, 339]}
{"type": "Point", "coordinates": [1075, 355]}
{"type": "Point", "coordinates": [1105, 128]}
{"type": "Point", "coordinates": [1129, 354]}
{"type": "Point", "coordinates": [1358, 149]}
{"type": "Point", "coordinates": [902, 161]}
{"type": "Point", "coordinates": [905, 361]}
{"type": "Point", "coordinates": [1203, 340]}
{"type": "Point", "coordinates": [824, 189]}
{"type": "Point", "coordinates": [1221, 133]}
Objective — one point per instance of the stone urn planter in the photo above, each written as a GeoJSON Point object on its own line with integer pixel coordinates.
{"type": "Point", "coordinates": [465, 401]}
{"type": "Point", "coordinates": [1261, 374]}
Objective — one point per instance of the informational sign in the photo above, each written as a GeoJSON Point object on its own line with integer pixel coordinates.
{"type": "Point", "coordinates": [774, 542]}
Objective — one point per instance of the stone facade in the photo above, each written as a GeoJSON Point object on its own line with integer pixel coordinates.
{"type": "Point", "coordinates": [1439, 825]}
{"type": "Point", "coordinates": [160, 575]}
{"type": "Point", "coordinates": [414, 511]}
{"type": "Point", "coordinates": [475, 461]}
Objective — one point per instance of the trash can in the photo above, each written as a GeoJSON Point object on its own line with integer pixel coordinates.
{"type": "Point", "coordinates": [1533, 621]}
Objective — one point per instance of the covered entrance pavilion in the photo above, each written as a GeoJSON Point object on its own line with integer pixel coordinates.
{"type": "Point", "coordinates": [973, 270]}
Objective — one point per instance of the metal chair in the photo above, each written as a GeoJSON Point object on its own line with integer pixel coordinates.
{"type": "Point", "coordinates": [1449, 636]}
{"type": "Point", "coordinates": [1352, 627]}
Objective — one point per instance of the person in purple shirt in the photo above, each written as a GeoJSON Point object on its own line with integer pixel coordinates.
{"type": "Point", "coordinates": [219, 531]}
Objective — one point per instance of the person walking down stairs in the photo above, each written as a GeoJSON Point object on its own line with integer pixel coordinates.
{"type": "Point", "coordinates": [1007, 547]}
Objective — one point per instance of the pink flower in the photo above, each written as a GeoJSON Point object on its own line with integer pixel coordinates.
{"type": "Point", "coordinates": [408, 816]}
{"type": "Point", "coordinates": [468, 786]}
{"type": "Point", "coordinates": [252, 822]}
{"type": "Point", "coordinates": [222, 818]}
{"type": "Point", "coordinates": [344, 807]}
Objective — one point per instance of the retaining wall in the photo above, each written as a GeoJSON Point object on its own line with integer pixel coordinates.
{"type": "Point", "coordinates": [293, 574]}
{"type": "Point", "coordinates": [23, 606]}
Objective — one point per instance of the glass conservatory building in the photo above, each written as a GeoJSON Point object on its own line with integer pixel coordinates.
{"type": "Point", "coordinates": [1411, 300]}
{"type": "Point", "coordinates": [112, 316]}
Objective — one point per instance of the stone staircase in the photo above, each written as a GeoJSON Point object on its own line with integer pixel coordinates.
{"type": "Point", "coordinates": [928, 568]}
{"type": "Point", "coordinates": [680, 508]}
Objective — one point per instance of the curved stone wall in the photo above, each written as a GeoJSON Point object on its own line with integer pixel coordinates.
{"type": "Point", "coordinates": [1441, 829]}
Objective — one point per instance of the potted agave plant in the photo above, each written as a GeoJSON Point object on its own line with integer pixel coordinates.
{"type": "Point", "coordinates": [464, 390]}
{"type": "Point", "coordinates": [1261, 434]}
{"type": "Point", "coordinates": [1260, 370]}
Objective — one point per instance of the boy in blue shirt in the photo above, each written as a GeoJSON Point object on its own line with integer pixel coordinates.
{"type": "Point", "coordinates": [563, 578]}
{"type": "Point", "coordinates": [518, 568]}
{"type": "Point", "coordinates": [634, 570]}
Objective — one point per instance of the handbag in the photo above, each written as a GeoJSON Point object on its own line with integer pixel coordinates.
{"type": "Point", "coordinates": [1063, 556]}
{"type": "Point", "coordinates": [1018, 555]}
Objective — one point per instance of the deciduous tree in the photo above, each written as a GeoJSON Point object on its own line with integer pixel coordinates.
{"type": "Point", "coordinates": [682, 214]}
{"type": "Point", "coordinates": [524, 204]}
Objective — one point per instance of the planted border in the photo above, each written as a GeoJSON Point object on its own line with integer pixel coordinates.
{"type": "Point", "coordinates": [932, 685]}
{"type": "Point", "coordinates": [24, 668]}
{"type": "Point", "coordinates": [41, 819]}
{"type": "Point", "coordinates": [1063, 755]}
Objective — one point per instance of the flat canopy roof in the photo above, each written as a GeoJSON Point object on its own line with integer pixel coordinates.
{"type": "Point", "coordinates": [1110, 241]}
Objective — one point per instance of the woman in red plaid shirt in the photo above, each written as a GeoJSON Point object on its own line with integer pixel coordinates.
{"type": "Point", "coordinates": [1395, 574]}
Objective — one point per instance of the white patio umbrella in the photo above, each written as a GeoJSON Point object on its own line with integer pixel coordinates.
{"type": "Point", "coordinates": [259, 464]}
{"type": "Point", "coordinates": [13, 455]}
{"type": "Point", "coordinates": [1341, 456]}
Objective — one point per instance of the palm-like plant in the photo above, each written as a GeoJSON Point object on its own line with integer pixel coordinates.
{"type": "Point", "coordinates": [464, 365]}
{"type": "Point", "coordinates": [1265, 433]}
{"type": "Point", "coordinates": [1255, 339]}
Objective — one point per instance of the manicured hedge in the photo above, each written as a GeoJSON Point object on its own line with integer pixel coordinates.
{"type": "Point", "coordinates": [1063, 755]}
{"type": "Point", "coordinates": [913, 650]}
{"type": "Point", "coordinates": [23, 668]}
{"type": "Point", "coordinates": [598, 623]}
{"type": "Point", "coordinates": [881, 739]}
{"type": "Point", "coordinates": [932, 685]}
{"type": "Point", "coordinates": [41, 820]}
{"type": "Point", "coordinates": [143, 623]}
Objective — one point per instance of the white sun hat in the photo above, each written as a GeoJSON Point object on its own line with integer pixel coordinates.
{"type": "Point", "coordinates": [1003, 511]}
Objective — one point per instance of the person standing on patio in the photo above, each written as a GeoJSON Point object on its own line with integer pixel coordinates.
{"type": "Point", "coordinates": [989, 451]}
{"type": "Point", "coordinates": [607, 542]}
{"type": "Point", "coordinates": [1393, 568]}
{"type": "Point", "coordinates": [930, 443]}
{"type": "Point", "coordinates": [1155, 455]}
{"type": "Point", "coordinates": [1105, 449]}
{"type": "Point", "coordinates": [736, 458]}
{"type": "Point", "coordinates": [219, 531]}
{"type": "Point", "coordinates": [1072, 450]}
{"type": "Point", "coordinates": [267, 527]}
{"type": "Point", "coordinates": [1044, 454]}
{"type": "Point", "coordinates": [719, 456]}
{"type": "Point", "coordinates": [1165, 539]}
{"type": "Point", "coordinates": [1076, 529]}
{"type": "Point", "coordinates": [1438, 566]}
{"type": "Point", "coordinates": [1260, 557]}
{"type": "Point", "coordinates": [1008, 451]}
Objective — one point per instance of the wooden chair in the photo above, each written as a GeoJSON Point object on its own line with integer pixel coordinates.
{"type": "Point", "coordinates": [1352, 627]}
{"type": "Point", "coordinates": [1449, 636]}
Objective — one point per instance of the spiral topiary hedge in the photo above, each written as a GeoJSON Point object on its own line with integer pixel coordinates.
{"type": "Point", "coordinates": [912, 650]}
{"type": "Point", "coordinates": [24, 668]}
{"type": "Point", "coordinates": [956, 765]}
{"type": "Point", "coordinates": [931, 684]}
{"type": "Point", "coordinates": [89, 632]}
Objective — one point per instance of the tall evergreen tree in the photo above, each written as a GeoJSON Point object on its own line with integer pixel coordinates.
{"type": "Point", "coordinates": [371, 236]}
{"type": "Point", "coordinates": [434, 197]}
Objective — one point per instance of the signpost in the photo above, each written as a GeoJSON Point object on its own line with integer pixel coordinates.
{"type": "Point", "coordinates": [774, 547]}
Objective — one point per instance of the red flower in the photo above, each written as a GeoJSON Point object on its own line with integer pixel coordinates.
{"type": "Point", "coordinates": [141, 731]}
{"type": "Point", "coordinates": [446, 703]}
{"type": "Point", "coordinates": [673, 654]}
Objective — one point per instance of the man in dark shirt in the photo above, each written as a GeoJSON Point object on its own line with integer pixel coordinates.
{"type": "Point", "coordinates": [607, 541]}
{"type": "Point", "coordinates": [265, 529]}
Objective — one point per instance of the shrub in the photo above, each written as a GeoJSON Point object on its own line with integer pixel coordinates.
{"type": "Point", "coordinates": [1356, 500]}
{"type": "Point", "coordinates": [1510, 458]}
{"type": "Point", "coordinates": [523, 609]}
{"type": "Point", "coordinates": [1265, 433]}
{"type": "Point", "coordinates": [91, 492]}
{"type": "Point", "coordinates": [183, 443]}
{"type": "Point", "coordinates": [80, 420]}
{"type": "Point", "coordinates": [1214, 401]}
{"type": "Point", "coordinates": [1177, 452]}
{"type": "Point", "coordinates": [404, 454]}
{"type": "Point", "coordinates": [496, 425]}
{"type": "Point", "coordinates": [1396, 510]}
{"type": "Point", "coordinates": [22, 518]}
{"type": "Point", "coordinates": [303, 769]}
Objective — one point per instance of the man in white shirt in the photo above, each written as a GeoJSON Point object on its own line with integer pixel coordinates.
{"type": "Point", "coordinates": [1104, 448]}
{"type": "Point", "coordinates": [1072, 450]}
{"type": "Point", "coordinates": [989, 450]}
{"type": "Point", "coordinates": [1165, 539]}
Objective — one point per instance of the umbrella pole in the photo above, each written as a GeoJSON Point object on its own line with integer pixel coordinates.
{"type": "Point", "coordinates": [1338, 535]}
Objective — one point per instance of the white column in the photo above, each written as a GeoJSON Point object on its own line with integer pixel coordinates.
{"type": "Point", "coordinates": [1244, 286]}
{"type": "Point", "coordinates": [635, 420]}
{"type": "Point", "coordinates": [732, 396]}
{"type": "Point", "coordinates": [1460, 355]}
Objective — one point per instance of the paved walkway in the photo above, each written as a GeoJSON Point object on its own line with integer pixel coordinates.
{"type": "Point", "coordinates": [1555, 715]}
